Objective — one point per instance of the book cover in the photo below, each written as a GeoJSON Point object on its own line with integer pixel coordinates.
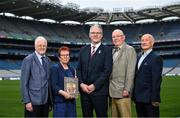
{"type": "Point", "coordinates": [71, 86]}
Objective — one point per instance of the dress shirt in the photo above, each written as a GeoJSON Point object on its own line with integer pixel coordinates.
{"type": "Point", "coordinates": [143, 57]}
{"type": "Point", "coordinates": [116, 51]}
{"type": "Point", "coordinates": [39, 57]}
{"type": "Point", "coordinates": [97, 46]}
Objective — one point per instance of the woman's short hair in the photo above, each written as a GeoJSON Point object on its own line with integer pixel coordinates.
{"type": "Point", "coordinates": [63, 48]}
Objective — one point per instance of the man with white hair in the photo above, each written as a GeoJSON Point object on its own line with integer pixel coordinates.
{"type": "Point", "coordinates": [122, 77]}
{"type": "Point", "coordinates": [148, 79]}
{"type": "Point", "coordinates": [35, 72]}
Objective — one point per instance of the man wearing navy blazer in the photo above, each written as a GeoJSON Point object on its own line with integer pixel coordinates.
{"type": "Point", "coordinates": [93, 70]}
{"type": "Point", "coordinates": [148, 80]}
{"type": "Point", "coordinates": [35, 72]}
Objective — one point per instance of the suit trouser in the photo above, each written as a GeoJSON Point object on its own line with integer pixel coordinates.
{"type": "Point", "coordinates": [121, 107]}
{"type": "Point", "coordinates": [38, 111]}
{"type": "Point", "coordinates": [146, 110]}
{"type": "Point", "coordinates": [99, 103]}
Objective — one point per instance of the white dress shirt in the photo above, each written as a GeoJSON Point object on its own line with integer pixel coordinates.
{"type": "Point", "coordinates": [143, 57]}
{"type": "Point", "coordinates": [116, 51]}
{"type": "Point", "coordinates": [39, 57]}
{"type": "Point", "coordinates": [96, 46]}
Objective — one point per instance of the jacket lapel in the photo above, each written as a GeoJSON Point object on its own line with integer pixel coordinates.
{"type": "Point", "coordinates": [139, 56]}
{"type": "Point", "coordinates": [97, 53]}
{"type": "Point", "coordinates": [61, 70]}
{"type": "Point", "coordinates": [145, 60]}
{"type": "Point", "coordinates": [120, 53]}
{"type": "Point", "coordinates": [95, 59]}
{"type": "Point", "coordinates": [37, 60]}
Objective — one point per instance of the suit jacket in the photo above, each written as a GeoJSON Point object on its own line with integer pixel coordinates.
{"type": "Point", "coordinates": [122, 77]}
{"type": "Point", "coordinates": [148, 79]}
{"type": "Point", "coordinates": [57, 79]}
{"type": "Point", "coordinates": [95, 70]}
{"type": "Point", "coordinates": [35, 80]}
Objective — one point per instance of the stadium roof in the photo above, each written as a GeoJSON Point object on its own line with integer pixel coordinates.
{"type": "Point", "coordinates": [58, 12]}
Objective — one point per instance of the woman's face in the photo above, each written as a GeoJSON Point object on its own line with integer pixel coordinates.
{"type": "Point", "coordinates": [64, 57]}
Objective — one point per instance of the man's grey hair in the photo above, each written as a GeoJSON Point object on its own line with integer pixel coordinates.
{"type": "Point", "coordinates": [39, 38]}
{"type": "Point", "coordinates": [120, 31]}
{"type": "Point", "coordinates": [98, 26]}
{"type": "Point", "coordinates": [150, 36]}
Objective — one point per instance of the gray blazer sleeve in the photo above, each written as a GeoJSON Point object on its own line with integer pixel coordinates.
{"type": "Point", "coordinates": [25, 75]}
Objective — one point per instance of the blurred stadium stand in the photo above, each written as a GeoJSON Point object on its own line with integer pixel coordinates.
{"type": "Point", "coordinates": [17, 35]}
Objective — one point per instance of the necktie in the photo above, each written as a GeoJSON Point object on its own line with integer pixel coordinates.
{"type": "Point", "coordinates": [116, 50]}
{"type": "Point", "coordinates": [115, 53]}
{"type": "Point", "coordinates": [93, 50]}
{"type": "Point", "coordinates": [43, 63]}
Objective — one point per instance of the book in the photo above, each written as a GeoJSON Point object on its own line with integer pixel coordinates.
{"type": "Point", "coordinates": [71, 86]}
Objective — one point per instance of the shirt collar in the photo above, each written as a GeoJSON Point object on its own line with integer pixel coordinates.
{"type": "Point", "coordinates": [119, 47]}
{"type": "Point", "coordinates": [147, 52]}
{"type": "Point", "coordinates": [38, 55]}
{"type": "Point", "coordinates": [97, 45]}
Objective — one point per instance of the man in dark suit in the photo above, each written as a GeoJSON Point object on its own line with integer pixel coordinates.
{"type": "Point", "coordinates": [148, 80]}
{"type": "Point", "coordinates": [35, 81]}
{"type": "Point", "coordinates": [94, 69]}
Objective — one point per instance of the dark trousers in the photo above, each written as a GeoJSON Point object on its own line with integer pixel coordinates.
{"type": "Point", "coordinates": [99, 103]}
{"type": "Point", "coordinates": [38, 111]}
{"type": "Point", "coordinates": [146, 110]}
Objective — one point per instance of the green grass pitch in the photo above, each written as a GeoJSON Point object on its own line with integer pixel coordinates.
{"type": "Point", "coordinates": [10, 99]}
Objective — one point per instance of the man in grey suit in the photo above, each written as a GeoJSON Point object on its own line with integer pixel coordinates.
{"type": "Point", "coordinates": [35, 72]}
{"type": "Point", "coordinates": [122, 77]}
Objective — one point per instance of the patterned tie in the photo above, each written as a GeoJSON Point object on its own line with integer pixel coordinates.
{"type": "Point", "coordinates": [115, 53]}
{"type": "Point", "coordinates": [116, 49]}
{"type": "Point", "coordinates": [93, 50]}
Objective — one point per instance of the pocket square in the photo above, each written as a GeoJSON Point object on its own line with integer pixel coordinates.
{"type": "Point", "coordinates": [145, 63]}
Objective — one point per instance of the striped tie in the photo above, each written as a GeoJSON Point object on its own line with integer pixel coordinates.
{"type": "Point", "coordinates": [93, 50]}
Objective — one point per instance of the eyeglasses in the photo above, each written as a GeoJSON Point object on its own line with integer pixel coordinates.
{"type": "Point", "coordinates": [117, 36]}
{"type": "Point", "coordinates": [64, 55]}
{"type": "Point", "coordinates": [95, 33]}
{"type": "Point", "coordinates": [42, 46]}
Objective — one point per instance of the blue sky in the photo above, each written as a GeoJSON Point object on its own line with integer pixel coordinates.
{"type": "Point", "coordinates": [110, 4]}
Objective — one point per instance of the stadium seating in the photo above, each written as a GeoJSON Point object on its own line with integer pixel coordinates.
{"type": "Point", "coordinates": [9, 68]}
{"type": "Point", "coordinates": [28, 30]}
{"type": "Point", "coordinates": [76, 36]}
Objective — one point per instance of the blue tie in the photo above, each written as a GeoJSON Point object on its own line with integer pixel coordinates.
{"type": "Point", "coordinates": [43, 63]}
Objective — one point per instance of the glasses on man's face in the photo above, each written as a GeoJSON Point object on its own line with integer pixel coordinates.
{"type": "Point", "coordinates": [41, 46]}
{"type": "Point", "coordinates": [117, 36]}
{"type": "Point", "coordinates": [95, 33]}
